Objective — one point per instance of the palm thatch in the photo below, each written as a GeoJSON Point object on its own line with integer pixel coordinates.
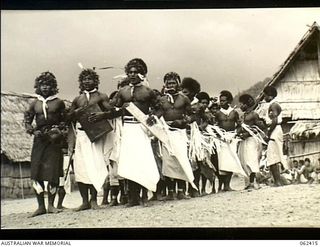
{"type": "Point", "coordinates": [16, 144]}
{"type": "Point", "coordinates": [314, 30]}
{"type": "Point", "coordinates": [305, 130]}
{"type": "Point", "coordinates": [298, 79]}
{"type": "Point", "coordinates": [300, 110]}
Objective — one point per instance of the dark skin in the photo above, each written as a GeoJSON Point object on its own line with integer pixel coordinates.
{"type": "Point", "coordinates": [188, 93]}
{"type": "Point", "coordinates": [212, 114]}
{"type": "Point", "coordinates": [81, 102]}
{"type": "Point", "coordinates": [143, 97]}
{"type": "Point", "coordinates": [176, 111]}
{"type": "Point", "coordinates": [200, 115]}
{"type": "Point", "coordinates": [78, 104]}
{"type": "Point", "coordinates": [250, 118]}
{"type": "Point", "coordinates": [55, 116]}
{"type": "Point", "coordinates": [273, 112]}
{"type": "Point", "coordinates": [202, 120]}
{"type": "Point", "coordinates": [55, 112]}
{"type": "Point", "coordinates": [228, 123]}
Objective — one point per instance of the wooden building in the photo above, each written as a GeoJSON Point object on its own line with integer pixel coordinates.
{"type": "Point", "coordinates": [298, 85]}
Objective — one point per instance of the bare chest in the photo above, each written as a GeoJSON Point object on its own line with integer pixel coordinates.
{"type": "Point", "coordinates": [93, 99]}
{"type": "Point", "coordinates": [178, 104]}
{"type": "Point", "coordinates": [249, 118]}
{"type": "Point", "coordinates": [140, 94]}
{"type": "Point", "coordinates": [52, 106]}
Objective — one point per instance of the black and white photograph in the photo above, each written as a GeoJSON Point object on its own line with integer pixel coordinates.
{"type": "Point", "coordinates": [160, 118]}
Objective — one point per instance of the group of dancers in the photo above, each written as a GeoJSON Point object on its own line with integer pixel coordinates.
{"type": "Point", "coordinates": [140, 139]}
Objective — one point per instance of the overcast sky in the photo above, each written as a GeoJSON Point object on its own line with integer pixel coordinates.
{"type": "Point", "coordinates": [222, 49]}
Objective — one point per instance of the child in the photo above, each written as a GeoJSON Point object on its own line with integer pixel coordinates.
{"type": "Point", "coordinates": [315, 175]}
{"type": "Point", "coordinates": [294, 171]}
{"type": "Point", "coordinates": [305, 170]}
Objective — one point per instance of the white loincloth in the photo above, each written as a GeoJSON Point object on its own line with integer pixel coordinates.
{"type": "Point", "coordinates": [228, 159]}
{"type": "Point", "coordinates": [112, 142]}
{"type": "Point", "coordinates": [89, 163]}
{"type": "Point", "coordinates": [177, 166]}
{"type": "Point", "coordinates": [274, 149]}
{"type": "Point", "coordinates": [249, 154]}
{"type": "Point", "coordinates": [136, 160]}
{"type": "Point", "coordinates": [66, 183]}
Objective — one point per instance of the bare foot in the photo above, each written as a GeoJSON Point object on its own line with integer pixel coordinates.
{"type": "Point", "coordinates": [145, 204]}
{"type": "Point", "coordinates": [228, 189]}
{"type": "Point", "coordinates": [104, 202]}
{"type": "Point", "coordinates": [39, 211]}
{"type": "Point", "coordinates": [53, 210]}
{"type": "Point", "coordinates": [132, 204]}
{"type": "Point", "coordinates": [249, 187]}
{"type": "Point", "coordinates": [94, 205]}
{"type": "Point", "coordinates": [83, 206]}
{"type": "Point", "coordinates": [203, 193]}
{"type": "Point", "coordinates": [276, 185]}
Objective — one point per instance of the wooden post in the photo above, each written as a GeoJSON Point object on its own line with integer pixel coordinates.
{"type": "Point", "coordinates": [301, 155]}
{"type": "Point", "coordinates": [318, 45]}
{"type": "Point", "coordinates": [21, 182]}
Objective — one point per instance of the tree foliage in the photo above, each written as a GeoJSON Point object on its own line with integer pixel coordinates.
{"type": "Point", "coordinates": [254, 90]}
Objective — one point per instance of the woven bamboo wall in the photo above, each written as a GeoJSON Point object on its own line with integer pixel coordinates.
{"type": "Point", "coordinates": [299, 91]}
{"type": "Point", "coordinates": [305, 147]}
{"type": "Point", "coordinates": [15, 180]}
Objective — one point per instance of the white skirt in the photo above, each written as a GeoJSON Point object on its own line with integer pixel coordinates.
{"type": "Point", "coordinates": [89, 163]}
{"type": "Point", "coordinates": [112, 141]}
{"type": "Point", "coordinates": [228, 159]}
{"type": "Point", "coordinates": [249, 155]}
{"type": "Point", "coordinates": [177, 166]}
{"type": "Point", "coordinates": [274, 149]}
{"type": "Point", "coordinates": [136, 159]}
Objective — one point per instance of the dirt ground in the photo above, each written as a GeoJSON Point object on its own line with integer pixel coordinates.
{"type": "Point", "coordinates": [287, 206]}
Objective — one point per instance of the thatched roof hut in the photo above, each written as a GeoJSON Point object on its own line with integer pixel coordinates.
{"type": "Point", "coordinates": [298, 79]}
{"type": "Point", "coordinates": [298, 84]}
{"type": "Point", "coordinates": [16, 145]}
{"type": "Point", "coordinates": [305, 130]}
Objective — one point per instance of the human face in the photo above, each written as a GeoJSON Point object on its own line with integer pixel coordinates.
{"type": "Point", "coordinates": [267, 98]}
{"type": "Point", "coordinates": [133, 75]}
{"type": "Point", "coordinates": [214, 109]}
{"type": "Point", "coordinates": [188, 93]}
{"type": "Point", "coordinates": [272, 114]}
{"type": "Point", "coordinates": [204, 104]}
{"type": "Point", "coordinates": [88, 83]}
{"type": "Point", "coordinates": [224, 103]}
{"type": "Point", "coordinates": [243, 107]}
{"type": "Point", "coordinates": [171, 86]}
{"type": "Point", "coordinates": [45, 89]}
